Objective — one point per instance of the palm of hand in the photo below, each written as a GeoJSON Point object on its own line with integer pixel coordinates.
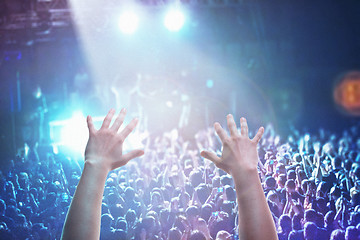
{"type": "Point", "coordinates": [104, 147]}
{"type": "Point", "coordinates": [239, 151]}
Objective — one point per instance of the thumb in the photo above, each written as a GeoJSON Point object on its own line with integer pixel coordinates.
{"type": "Point", "coordinates": [128, 156]}
{"type": "Point", "coordinates": [90, 125]}
{"type": "Point", "coordinates": [211, 156]}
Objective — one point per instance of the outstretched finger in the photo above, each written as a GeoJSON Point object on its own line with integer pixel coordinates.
{"type": "Point", "coordinates": [119, 120]}
{"type": "Point", "coordinates": [258, 135]}
{"type": "Point", "coordinates": [244, 127]}
{"type": "Point", "coordinates": [90, 125]}
{"type": "Point", "coordinates": [220, 131]}
{"type": "Point", "coordinates": [129, 128]}
{"type": "Point", "coordinates": [108, 118]}
{"type": "Point", "coordinates": [127, 157]}
{"type": "Point", "coordinates": [211, 156]}
{"type": "Point", "coordinates": [232, 125]}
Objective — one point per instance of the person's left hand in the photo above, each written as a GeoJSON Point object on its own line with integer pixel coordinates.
{"type": "Point", "coordinates": [104, 147]}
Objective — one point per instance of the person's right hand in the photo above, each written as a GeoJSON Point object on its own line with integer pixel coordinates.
{"type": "Point", "coordinates": [239, 152]}
{"type": "Point", "coordinates": [104, 147]}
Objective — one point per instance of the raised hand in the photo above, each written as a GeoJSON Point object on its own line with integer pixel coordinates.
{"type": "Point", "coordinates": [240, 158]}
{"type": "Point", "coordinates": [104, 147]}
{"type": "Point", "coordinates": [239, 151]}
{"type": "Point", "coordinates": [103, 153]}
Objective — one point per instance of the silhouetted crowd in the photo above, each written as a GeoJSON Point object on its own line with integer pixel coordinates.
{"type": "Point", "coordinates": [311, 182]}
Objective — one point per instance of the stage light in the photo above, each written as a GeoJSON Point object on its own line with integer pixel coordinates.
{"type": "Point", "coordinates": [128, 22]}
{"type": "Point", "coordinates": [74, 132]}
{"type": "Point", "coordinates": [174, 20]}
{"type": "Point", "coordinates": [347, 93]}
{"type": "Point", "coordinates": [169, 104]}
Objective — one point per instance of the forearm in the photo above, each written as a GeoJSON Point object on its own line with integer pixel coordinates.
{"type": "Point", "coordinates": [349, 184]}
{"type": "Point", "coordinates": [255, 220]}
{"type": "Point", "coordinates": [286, 209]}
{"type": "Point", "coordinates": [306, 168]}
{"type": "Point", "coordinates": [210, 198]}
{"type": "Point", "coordinates": [33, 202]}
{"type": "Point", "coordinates": [83, 218]}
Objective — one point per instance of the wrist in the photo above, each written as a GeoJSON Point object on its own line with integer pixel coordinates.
{"type": "Point", "coordinates": [246, 180]}
{"type": "Point", "coordinates": [243, 173]}
{"type": "Point", "coordinates": [96, 166]}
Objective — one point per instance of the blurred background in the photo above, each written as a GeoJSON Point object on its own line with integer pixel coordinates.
{"type": "Point", "coordinates": [176, 65]}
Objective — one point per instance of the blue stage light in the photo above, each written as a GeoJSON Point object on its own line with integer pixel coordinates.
{"type": "Point", "coordinates": [75, 133]}
{"type": "Point", "coordinates": [72, 133]}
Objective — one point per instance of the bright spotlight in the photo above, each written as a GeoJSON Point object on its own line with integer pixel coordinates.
{"type": "Point", "coordinates": [174, 20]}
{"type": "Point", "coordinates": [73, 132]}
{"type": "Point", "coordinates": [128, 22]}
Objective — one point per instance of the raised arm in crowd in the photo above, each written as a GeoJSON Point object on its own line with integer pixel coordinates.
{"type": "Point", "coordinates": [104, 153]}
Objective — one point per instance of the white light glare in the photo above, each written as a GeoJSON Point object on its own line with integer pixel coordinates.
{"type": "Point", "coordinates": [128, 22]}
{"type": "Point", "coordinates": [174, 20]}
{"type": "Point", "coordinates": [74, 134]}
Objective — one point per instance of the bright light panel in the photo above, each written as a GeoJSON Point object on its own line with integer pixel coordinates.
{"type": "Point", "coordinates": [174, 20]}
{"type": "Point", "coordinates": [128, 22]}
